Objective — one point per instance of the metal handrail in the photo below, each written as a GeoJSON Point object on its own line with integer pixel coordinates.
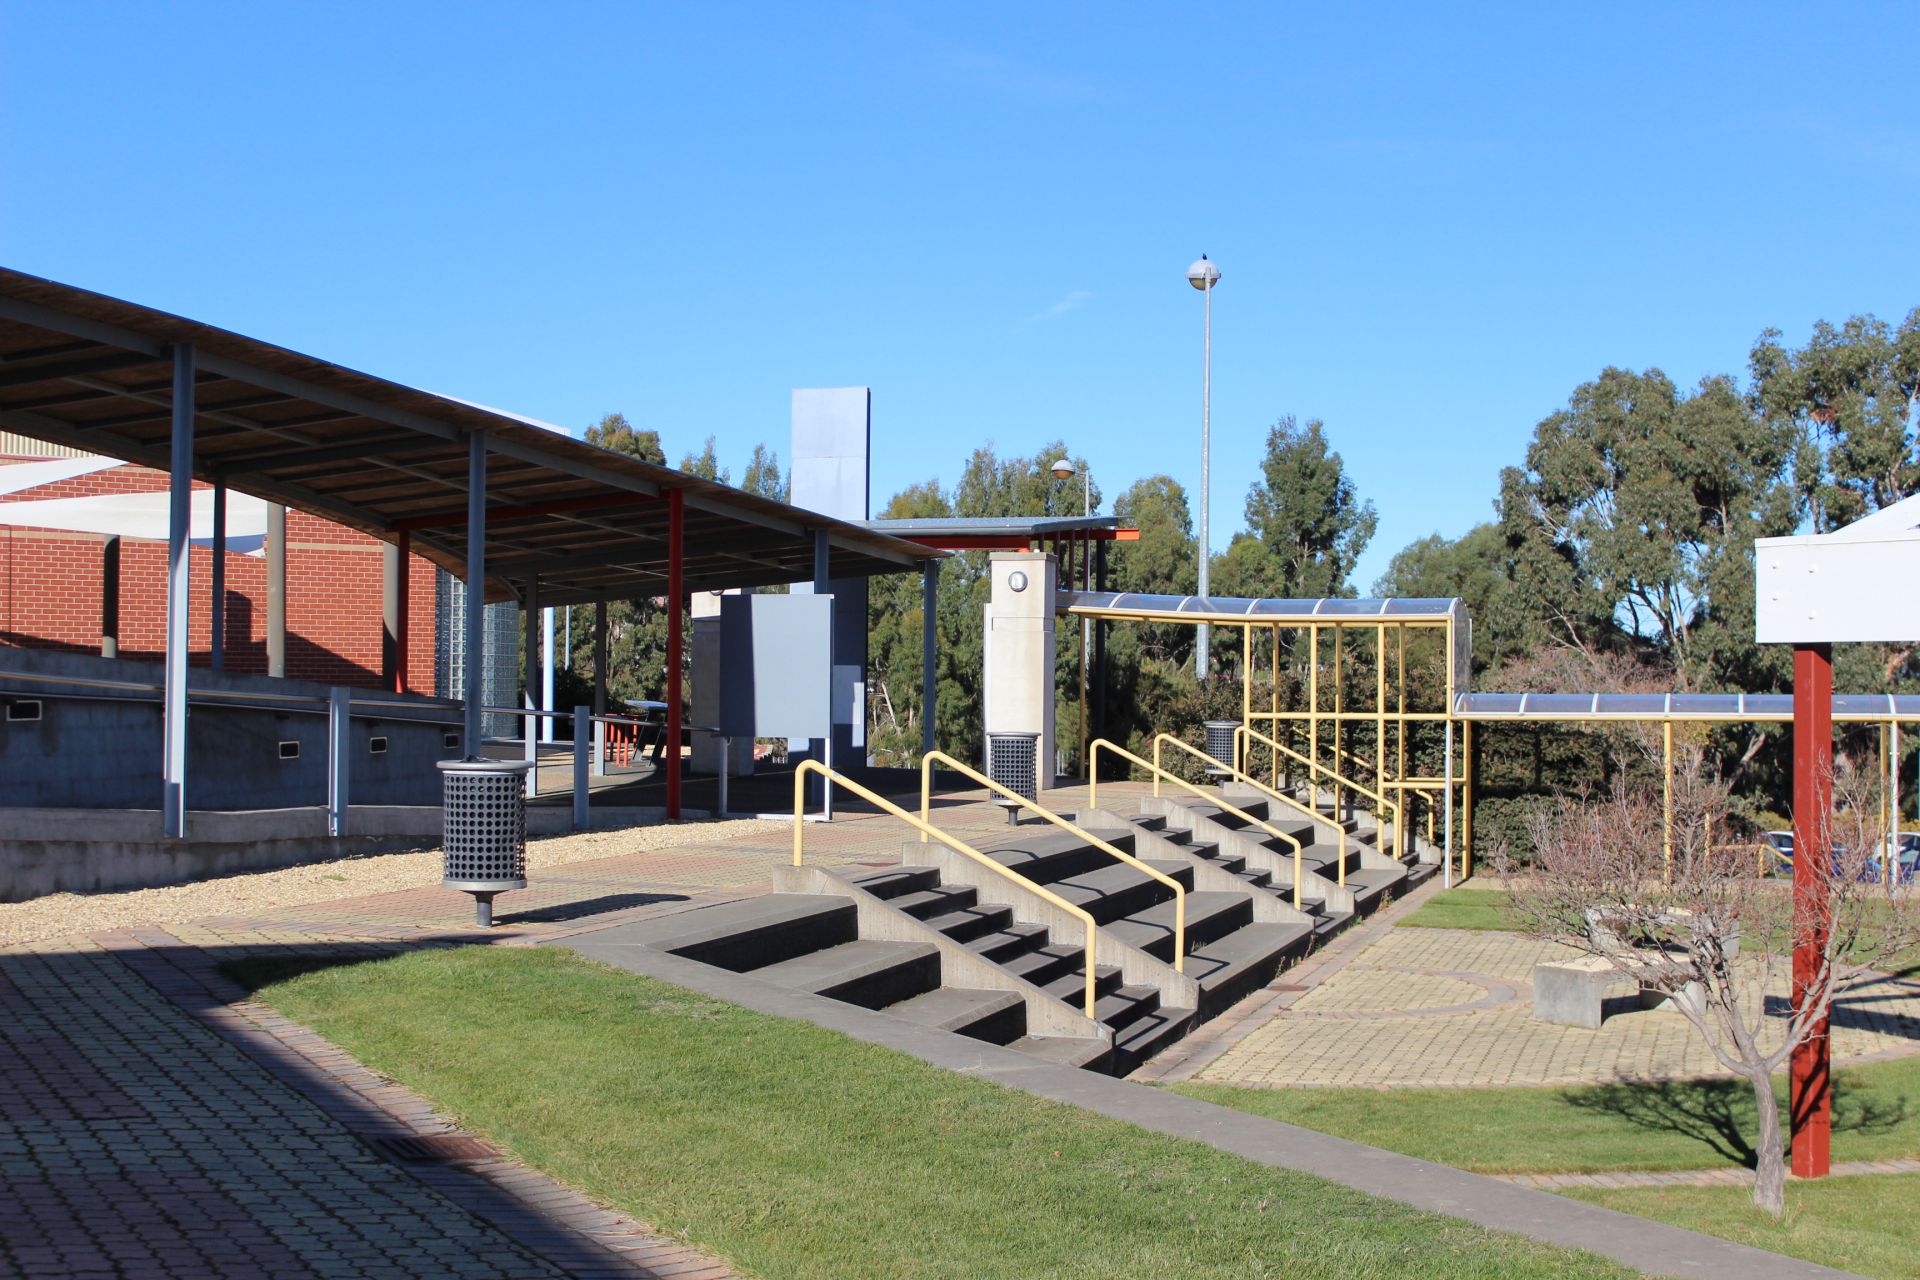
{"type": "Point", "coordinates": [1246, 734]}
{"type": "Point", "coordinates": [967, 771]}
{"type": "Point", "coordinates": [1241, 776]}
{"type": "Point", "coordinates": [1093, 795]}
{"type": "Point", "coordinates": [887, 806]}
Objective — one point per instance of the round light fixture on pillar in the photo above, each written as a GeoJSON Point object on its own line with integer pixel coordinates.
{"type": "Point", "coordinates": [1062, 468]}
{"type": "Point", "coordinates": [1203, 274]}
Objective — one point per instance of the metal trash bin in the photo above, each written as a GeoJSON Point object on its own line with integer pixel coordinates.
{"type": "Point", "coordinates": [484, 845]}
{"type": "Point", "coordinates": [1220, 741]}
{"type": "Point", "coordinates": [1013, 761]}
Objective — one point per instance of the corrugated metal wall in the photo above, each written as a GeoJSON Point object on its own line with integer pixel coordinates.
{"type": "Point", "coordinates": [27, 447]}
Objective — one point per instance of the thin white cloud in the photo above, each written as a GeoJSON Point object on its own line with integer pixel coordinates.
{"type": "Point", "coordinates": [1074, 300]}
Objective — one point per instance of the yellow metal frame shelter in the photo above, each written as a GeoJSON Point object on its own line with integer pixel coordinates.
{"type": "Point", "coordinates": [1329, 738]}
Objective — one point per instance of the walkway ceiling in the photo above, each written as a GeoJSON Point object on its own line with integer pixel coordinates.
{"type": "Point", "coordinates": [94, 372]}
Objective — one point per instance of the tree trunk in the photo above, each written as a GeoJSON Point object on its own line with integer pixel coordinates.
{"type": "Point", "coordinates": [1770, 1173]}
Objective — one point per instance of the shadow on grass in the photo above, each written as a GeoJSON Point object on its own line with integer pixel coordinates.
{"type": "Point", "coordinates": [1719, 1114]}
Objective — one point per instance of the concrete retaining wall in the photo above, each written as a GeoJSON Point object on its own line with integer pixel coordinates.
{"type": "Point", "coordinates": [101, 748]}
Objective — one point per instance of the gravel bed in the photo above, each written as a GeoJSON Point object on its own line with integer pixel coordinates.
{"type": "Point", "coordinates": [260, 893]}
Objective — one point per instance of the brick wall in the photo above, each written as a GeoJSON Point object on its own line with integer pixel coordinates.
{"type": "Point", "coordinates": [51, 592]}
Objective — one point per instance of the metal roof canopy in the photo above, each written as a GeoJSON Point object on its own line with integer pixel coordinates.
{"type": "Point", "coordinates": [85, 370]}
{"type": "Point", "coordinates": [1329, 609]}
{"type": "Point", "coordinates": [964, 533]}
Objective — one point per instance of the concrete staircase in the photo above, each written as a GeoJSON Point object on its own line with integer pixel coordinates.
{"type": "Point", "coordinates": [813, 942]}
{"type": "Point", "coordinates": [950, 943]}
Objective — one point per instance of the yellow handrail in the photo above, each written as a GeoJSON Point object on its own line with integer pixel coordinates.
{"type": "Point", "coordinates": [1246, 734]}
{"type": "Point", "coordinates": [1263, 788]}
{"type": "Point", "coordinates": [887, 806]}
{"type": "Point", "coordinates": [1093, 796]}
{"type": "Point", "coordinates": [1179, 890]}
{"type": "Point", "coordinates": [1385, 784]}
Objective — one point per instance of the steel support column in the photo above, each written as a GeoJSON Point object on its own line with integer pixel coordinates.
{"type": "Point", "coordinates": [276, 589]}
{"type": "Point", "coordinates": [173, 771]}
{"type": "Point", "coordinates": [110, 597]}
{"type": "Point", "coordinates": [676, 589]}
{"type": "Point", "coordinates": [1100, 645]}
{"type": "Point", "coordinates": [474, 648]}
{"type": "Point", "coordinates": [394, 606]}
{"type": "Point", "coordinates": [929, 653]}
{"type": "Point", "coordinates": [599, 686]}
{"type": "Point", "coordinates": [217, 603]}
{"type": "Point", "coordinates": [530, 681]}
{"type": "Point", "coordinates": [1810, 1090]}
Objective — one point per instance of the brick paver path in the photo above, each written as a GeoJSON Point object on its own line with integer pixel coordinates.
{"type": "Point", "coordinates": [154, 1122]}
{"type": "Point", "coordinates": [1452, 1008]}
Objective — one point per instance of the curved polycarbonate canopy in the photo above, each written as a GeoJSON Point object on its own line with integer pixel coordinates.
{"type": "Point", "coordinates": [1240, 608]}
{"type": "Point", "coordinates": [1854, 707]}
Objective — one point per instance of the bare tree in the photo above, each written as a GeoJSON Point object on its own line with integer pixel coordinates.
{"type": "Point", "coordinates": [1693, 912]}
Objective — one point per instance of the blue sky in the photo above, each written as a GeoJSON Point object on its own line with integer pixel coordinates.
{"type": "Point", "coordinates": [1433, 222]}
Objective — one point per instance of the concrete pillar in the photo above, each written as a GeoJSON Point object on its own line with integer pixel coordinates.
{"type": "Point", "coordinates": [110, 598]}
{"type": "Point", "coordinates": [1020, 650]}
{"type": "Point", "coordinates": [276, 589]}
{"type": "Point", "coordinates": [546, 672]}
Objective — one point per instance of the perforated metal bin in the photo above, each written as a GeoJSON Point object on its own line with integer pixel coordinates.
{"type": "Point", "coordinates": [1220, 740]}
{"type": "Point", "coordinates": [484, 846]}
{"type": "Point", "coordinates": [1013, 761]}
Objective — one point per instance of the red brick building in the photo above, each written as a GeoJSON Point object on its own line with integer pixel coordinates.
{"type": "Point", "coordinates": [56, 556]}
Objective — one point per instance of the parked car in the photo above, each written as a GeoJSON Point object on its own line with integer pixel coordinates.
{"type": "Point", "coordinates": [1782, 845]}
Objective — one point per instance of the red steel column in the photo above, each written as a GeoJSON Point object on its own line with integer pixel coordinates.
{"type": "Point", "coordinates": [676, 587]}
{"type": "Point", "coordinates": [1810, 1109]}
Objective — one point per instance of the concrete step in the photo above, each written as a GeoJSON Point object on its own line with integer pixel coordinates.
{"type": "Point", "coordinates": [1117, 890]}
{"type": "Point", "coordinates": [972, 922]}
{"type": "Point", "coordinates": [1210, 915]}
{"type": "Point", "coordinates": [1043, 964]}
{"type": "Point", "coordinates": [1148, 1035]}
{"type": "Point", "coordinates": [752, 933]}
{"type": "Point", "coordinates": [1124, 1006]}
{"type": "Point", "coordinates": [1008, 943]}
{"type": "Point", "coordinates": [1244, 960]}
{"type": "Point", "coordinates": [1065, 1051]}
{"type": "Point", "coordinates": [893, 881]}
{"type": "Point", "coordinates": [869, 973]}
{"type": "Point", "coordinates": [1071, 986]}
{"type": "Point", "coordinates": [997, 1017]}
{"type": "Point", "coordinates": [1046, 855]}
{"type": "Point", "coordinates": [1329, 923]}
{"type": "Point", "coordinates": [936, 901]}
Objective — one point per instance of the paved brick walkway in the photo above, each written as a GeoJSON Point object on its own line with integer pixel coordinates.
{"type": "Point", "coordinates": [154, 1122]}
{"type": "Point", "coordinates": [1418, 1008]}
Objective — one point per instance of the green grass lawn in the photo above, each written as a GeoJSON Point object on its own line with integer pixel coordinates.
{"type": "Point", "coordinates": [1462, 909]}
{"type": "Point", "coordinates": [1866, 1224]}
{"type": "Point", "coordinates": [1686, 1124]}
{"type": "Point", "coordinates": [798, 1152]}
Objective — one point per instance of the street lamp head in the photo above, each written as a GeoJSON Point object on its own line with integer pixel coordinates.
{"type": "Point", "coordinates": [1203, 274]}
{"type": "Point", "coordinates": [1062, 468]}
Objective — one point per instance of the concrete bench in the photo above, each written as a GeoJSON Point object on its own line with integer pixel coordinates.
{"type": "Point", "coordinates": [1573, 993]}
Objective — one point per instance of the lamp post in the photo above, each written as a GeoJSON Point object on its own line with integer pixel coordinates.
{"type": "Point", "coordinates": [1205, 277]}
{"type": "Point", "coordinates": [1063, 469]}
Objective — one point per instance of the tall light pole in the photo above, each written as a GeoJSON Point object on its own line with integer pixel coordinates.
{"type": "Point", "coordinates": [1204, 276]}
{"type": "Point", "coordinates": [1062, 468]}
